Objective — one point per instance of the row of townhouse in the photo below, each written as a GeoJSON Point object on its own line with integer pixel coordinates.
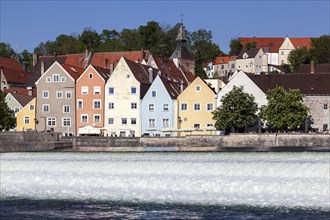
{"type": "Point", "coordinates": [268, 55]}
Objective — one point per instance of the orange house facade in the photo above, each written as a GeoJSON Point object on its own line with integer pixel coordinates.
{"type": "Point", "coordinates": [90, 100]}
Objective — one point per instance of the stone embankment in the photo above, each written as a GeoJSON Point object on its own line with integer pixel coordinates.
{"type": "Point", "coordinates": [40, 141]}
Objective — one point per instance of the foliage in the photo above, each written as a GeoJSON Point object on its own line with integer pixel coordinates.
{"type": "Point", "coordinates": [27, 59]}
{"type": "Point", "coordinates": [6, 50]}
{"type": "Point", "coordinates": [287, 67]}
{"type": "Point", "coordinates": [250, 45]}
{"type": "Point", "coordinates": [7, 116]}
{"type": "Point", "coordinates": [235, 47]}
{"type": "Point", "coordinates": [238, 110]}
{"type": "Point", "coordinates": [298, 56]}
{"type": "Point", "coordinates": [320, 51]}
{"type": "Point", "coordinates": [90, 38]}
{"type": "Point", "coordinates": [285, 110]}
{"type": "Point", "coordinates": [199, 71]}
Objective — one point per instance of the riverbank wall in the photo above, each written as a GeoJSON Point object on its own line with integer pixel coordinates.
{"type": "Point", "coordinates": [41, 141]}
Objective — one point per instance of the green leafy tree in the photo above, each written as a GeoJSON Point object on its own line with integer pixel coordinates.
{"type": "Point", "coordinates": [90, 38]}
{"type": "Point", "coordinates": [27, 59]}
{"type": "Point", "coordinates": [250, 45]}
{"type": "Point", "coordinates": [298, 56]}
{"type": "Point", "coordinates": [6, 50]}
{"type": "Point", "coordinates": [199, 71]}
{"type": "Point", "coordinates": [285, 110]}
{"type": "Point", "coordinates": [238, 111]}
{"type": "Point", "coordinates": [130, 38]}
{"type": "Point", "coordinates": [7, 116]}
{"type": "Point", "coordinates": [320, 51]}
{"type": "Point", "coordinates": [235, 47]}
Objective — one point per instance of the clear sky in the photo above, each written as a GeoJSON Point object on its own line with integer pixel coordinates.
{"type": "Point", "coordinates": [25, 24]}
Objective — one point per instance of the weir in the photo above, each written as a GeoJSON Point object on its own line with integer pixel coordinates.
{"type": "Point", "coordinates": [254, 179]}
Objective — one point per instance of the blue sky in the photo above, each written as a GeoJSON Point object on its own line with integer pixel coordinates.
{"type": "Point", "coordinates": [24, 24]}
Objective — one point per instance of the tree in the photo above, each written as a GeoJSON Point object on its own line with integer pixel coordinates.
{"type": "Point", "coordinates": [250, 45]}
{"type": "Point", "coordinates": [7, 116]}
{"type": "Point", "coordinates": [320, 51]}
{"type": "Point", "coordinates": [130, 39]}
{"type": "Point", "coordinates": [235, 47]}
{"type": "Point", "coordinates": [238, 111]}
{"type": "Point", "coordinates": [285, 110]}
{"type": "Point", "coordinates": [6, 50]}
{"type": "Point", "coordinates": [298, 56]}
{"type": "Point", "coordinates": [90, 38]}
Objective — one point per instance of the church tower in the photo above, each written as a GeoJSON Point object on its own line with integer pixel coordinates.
{"type": "Point", "coordinates": [181, 56]}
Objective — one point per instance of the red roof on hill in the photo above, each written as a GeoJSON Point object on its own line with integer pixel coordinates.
{"type": "Point", "coordinates": [301, 42]}
{"type": "Point", "coordinates": [272, 44]}
{"type": "Point", "coordinates": [13, 71]}
{"type": "Point", "coordinates": [221, 60]}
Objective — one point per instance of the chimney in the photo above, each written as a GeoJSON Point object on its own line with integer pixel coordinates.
{"type": "Point", "coordinates": [181, 86]}
{"type": "Point", "coordinates": [159, 73]}
{"type": "Point", "coordinates": [29, 89]}
{"type": "Point", "coordinates": [312, 67]}
{"type": "Point", "coordinates": [106, 61]}
{"type": "Point", "coordinates": [111, 68]}
{"type": "Point", "coordinates": [42, 67]}
{"type": "Point", "coordinates": [151, 74]}
{"type": "Point", "coordinates": [35, 59]}
{"type": "Point", "coordinates": [55, 56]}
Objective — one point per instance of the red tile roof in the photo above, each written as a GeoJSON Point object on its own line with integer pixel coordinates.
{"type": "Point", "coordinates": [74, 71]}
{"type": "Point", "coordinates": [13, 71]}
{"type": "Point", "coordinates": [221, 60]}
{"type": "Point", "coordinates": [301, 42]}
{"type": "Point", "coordinates": [272, 43]}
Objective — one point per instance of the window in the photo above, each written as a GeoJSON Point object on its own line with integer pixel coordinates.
{"type": "Point", "coordinates": [133, 121]}
{"type": "Point", "coordinates": [111, 105]}
{"type": "Point", "coordinates": [59, 94]}
{"type": "Point", "coordinates": [45, 108]}
{"type": "Point", "coordinates": [198, 88]}
{"type": "Point", "coordinates": [31, 107]}
{"type": "Point", "coordinates": [209, 106]}
{"type": "Point", "coordinates": [56, 78]}
{"type": "Point", "coordinates": [97, 104]}
{"type": "Point", "coordinates": [16, 109]}
{"type": "Point", "coordinates": [45, 94]}
{"type": "Point", "coordinates": [97, 90]}
{"type": "Point", "coordinates": [151, 107]}
{"type": "Point", "coordinates": [325, 106]}
{"type": "Point", "coordinates": [68, 94]}
{"type": "Point", "coordinates": [48, 79]}
{"type": "Point", "coordinates": [165, 107]}
{"type": "Point", "coordinates": [111, 121]}
{"type": "Point", "coordinates": [91, 75]}
{"type": "Point", "coordinates": [153, 93]}
{"type": "Point", "coordinates": [133, 90]}
{"type": "Point", "coordinates": [325, 127]}
{"type": "Point", "coordinates": [127, 76]}
{"type": "Point", "coordinates": [51, 121]}
{"type": "Point", "coordinates": [197, 126]}
{"type": "Point", "coordinates": [63, 79]}
{"type": "Point", "coordinates": [282, 52]}
{"type": "Point", "coordinates": [197, 107]}
{"type": "Point", "coordinates": [111, 90]}
{"type": "Point", "coordinates": [26, 120]}
{"type": "Point", "coordinates": [84, 90]}
{"type": "Point", "coordinates": [84, 118]}
{"type": "Point", "coordinates": [133, 105]}
{"type": "Point", "coordinates": [124, 121]}
{"type": "Point", "coordinates": [166, 122]}
{"type": "Point", "coordinates": [241, 87]}
{"type": "Point", "coordinates": [209, 125]}
{"type": "Point", "coordinates": [80, 104]}
{"type": "Point", "coordinates": [66, 122]}
{"type": "Point", "coordinates": [152, 122]}
{"type": "Point", "coordinates": [66, 109]}
{"type": "Point", "coordinates": [184, 106]}
{"type": "Point", "coordinates": [97, 118]}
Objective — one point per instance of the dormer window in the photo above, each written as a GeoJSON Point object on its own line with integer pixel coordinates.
{"type": "Point", "coordinates": [91, 75]}
{"type": "Point", "coordinates": [245, 55]}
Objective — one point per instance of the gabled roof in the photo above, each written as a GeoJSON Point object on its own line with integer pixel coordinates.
{"type": "Point", "coordinates": [22, 99]}
{"type": "Point", "coordinates": [140, 71]}
{"type": "Point", "coordinates": [272, 44]}
{"type": "Point", "coordinates": [104, 73]}
{"type": "Point", "coordinates": [173, 87]}
{"type": "Point", "coordinates": [318, 68]}
{"type": "Point", "coordinates": [308, 84]}
{"type": "Point", "coordinates": [223, 59]}
{"type": "Point", "coordinates": [301, 42]}
{"type": "Point", "coordinates": [13, 71]}
{"type": "Point", "coordinates": [252, 53]}
{"type": "Point", "coordinates": [169, 70]}
{"type": "Point", "coordinates": [74, 72]}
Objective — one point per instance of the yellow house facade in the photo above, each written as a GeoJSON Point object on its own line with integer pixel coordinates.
{"type": "Point", "coordinates": [25, 117]}
{"type": "Point", "coordinates": [195, 106]}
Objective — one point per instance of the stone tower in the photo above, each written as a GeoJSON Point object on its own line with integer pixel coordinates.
{"type": "Point", "coordinates": [181, 56]}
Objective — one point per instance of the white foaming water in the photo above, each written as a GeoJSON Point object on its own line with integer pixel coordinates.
{"type": "Point", "coordinates": [256, 179]}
